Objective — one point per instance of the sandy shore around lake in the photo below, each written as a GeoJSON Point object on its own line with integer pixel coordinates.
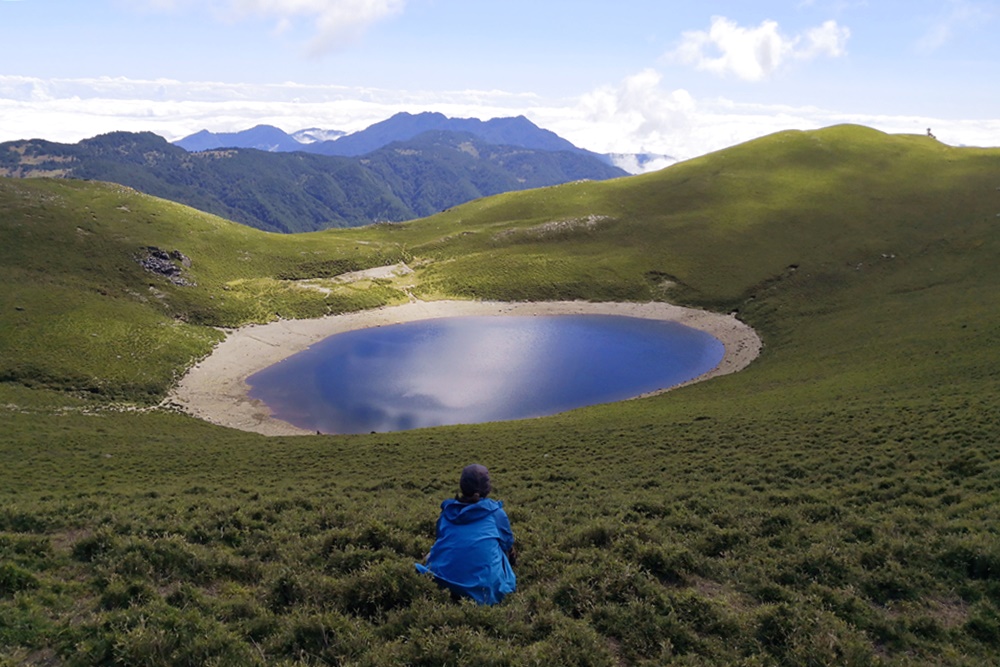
{"type": "Point", "coordinates": [216, 390]}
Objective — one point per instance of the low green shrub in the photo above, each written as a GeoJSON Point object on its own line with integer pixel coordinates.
{"type": "Point", "coordinates": [382, 587]}
{"type": "Point", "coordinates": [14, 579]}
{"type": "Point", "coordinates": [325, 638]}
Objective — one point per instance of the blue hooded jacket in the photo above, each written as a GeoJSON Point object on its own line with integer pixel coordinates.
{"type": "Point", "coordinates": [470, 553]}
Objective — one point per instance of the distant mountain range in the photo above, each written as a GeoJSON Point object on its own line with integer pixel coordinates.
{"type": "Point", "coordinates": [517, 131]}
{"type": "Point", "coordinates": [274, 189]}
{"type": "Point", "coordinates": [262, 137]}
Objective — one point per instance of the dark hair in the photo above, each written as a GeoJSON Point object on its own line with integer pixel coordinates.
{"type": "Point", "coordinates": [474, 483]}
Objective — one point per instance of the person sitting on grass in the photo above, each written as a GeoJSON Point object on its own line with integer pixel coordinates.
{"type": "Point", "coordinates": [474, 547]}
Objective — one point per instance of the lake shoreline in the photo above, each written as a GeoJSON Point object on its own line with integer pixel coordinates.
{"type": "Point", "coordinates": [216, 391]}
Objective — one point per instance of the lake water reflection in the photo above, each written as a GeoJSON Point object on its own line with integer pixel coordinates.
{"type": "Point", "coordinates": [466, 370]}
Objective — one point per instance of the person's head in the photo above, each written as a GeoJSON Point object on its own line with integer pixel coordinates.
{"type": "Point", "coordinates": [475, 482]}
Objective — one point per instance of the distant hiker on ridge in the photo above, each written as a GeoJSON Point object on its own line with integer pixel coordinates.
{"type": "Point", "coordinates": [474, 547]}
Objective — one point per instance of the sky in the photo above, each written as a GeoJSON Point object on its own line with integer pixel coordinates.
{"type": "Point", "coordinates": [673, 78]}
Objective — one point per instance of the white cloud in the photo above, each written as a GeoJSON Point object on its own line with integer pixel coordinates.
{"type": "Point", "coordinates": [753, 54]}
{"type": "Point", "coordinates": [638, 113]}
{"type": "Point", "coordinates": [336, 22]}
{"type": "Point", "coordinates": [829, 39]}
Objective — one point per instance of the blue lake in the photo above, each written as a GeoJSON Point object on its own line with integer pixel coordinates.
{"type": "Point", "coordinates": [467, 370]}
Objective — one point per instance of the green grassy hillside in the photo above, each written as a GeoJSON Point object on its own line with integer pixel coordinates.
{"type": "Point", "coordinates": [836, 503]}
{"type": "Point", "coordinates": [82, 313]}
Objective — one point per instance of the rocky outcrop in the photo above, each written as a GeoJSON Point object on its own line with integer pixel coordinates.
{"type": "Point", "coordinates": [169, 265]}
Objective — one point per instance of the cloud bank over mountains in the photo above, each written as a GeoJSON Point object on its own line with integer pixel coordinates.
{"type": "Point", "coordinates": [638, 115]}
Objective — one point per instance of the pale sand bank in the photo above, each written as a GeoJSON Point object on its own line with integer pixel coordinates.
{"type": "Point", "coordinates": [215, 389]}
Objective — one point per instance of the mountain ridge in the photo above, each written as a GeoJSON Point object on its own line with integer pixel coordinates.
{"type": "Point", "coordinates": [301, 191]}
{"type": "Point", "coordinates": [403, 126]}
{"type": "Point", "coordinates": [261, 137]}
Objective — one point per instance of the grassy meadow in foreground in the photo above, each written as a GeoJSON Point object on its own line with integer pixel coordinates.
{"type": "Point", "coordinates": [836, 503]}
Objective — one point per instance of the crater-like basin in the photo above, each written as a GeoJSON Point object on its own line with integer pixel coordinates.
{"type": "Point", "coordinates": [465, 370]}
